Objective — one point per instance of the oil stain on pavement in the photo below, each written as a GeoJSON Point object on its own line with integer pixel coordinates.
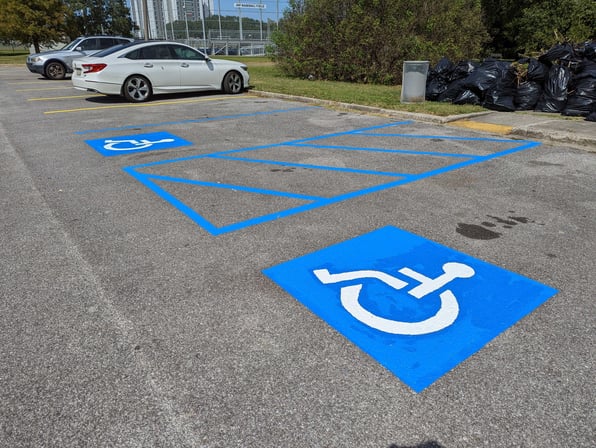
{"type": "Point", "coordinates": [484, 232]}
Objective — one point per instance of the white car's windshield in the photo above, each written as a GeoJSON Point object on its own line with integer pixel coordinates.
{"type": "Point", "coordinates": [73, 44]}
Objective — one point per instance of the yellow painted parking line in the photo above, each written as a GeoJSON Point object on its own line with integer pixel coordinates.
{"type": "Point", "coordinates": [485, 127]}
{"type": "Point", "coordinates": [150, 104]}
{"type": "Point", "coordinates": [64, 97]}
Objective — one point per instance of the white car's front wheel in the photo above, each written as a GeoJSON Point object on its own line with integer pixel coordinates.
{"type": "Point", "coordinates": [232, 83]}
{"type": "Point", "coordinates": [137, 89]}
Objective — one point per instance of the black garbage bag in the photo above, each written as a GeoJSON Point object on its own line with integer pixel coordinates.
{"type": "Point", "coordinates": [501, 96]}
{"type": "Point", "coordinates": [467, 97]}
{"type": "Point", "coordinates": [463, 69]}
{"type": "Point", "coordinates": [592, 115]}
{"type": "Point", "coordinates": [537, 71]}
{"type": "Point", "coordinates": [582, 90]}
{"type": "Point", "coordinates": [587, 69]}
{"type": "Point", "coordinates": [434, 88]}
{"type": "Point", "coordinates": [579, 104]}
{"type": "Point", "coordinates": [496, 99]}
{"type": "Point", "coordinates": [587, 51]}
{"type": "Point", "coordinates": [485, 77]}
{"type": "Point", "coordinates": [560, 52]}
{"type": "Point", "coordinates": [554, 96]}
{"type": "Point", "coordinates": [454, 89]}
{"type": "Point", "coordinates": [438, 79]}
{"type": "Point", "coordinates": [527, 95]}
{"type": "Point", "coordinates": [443, 68]}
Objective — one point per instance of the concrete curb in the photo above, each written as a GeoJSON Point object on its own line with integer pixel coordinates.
{"type": "Point", "coordinates": [538, 130]}
{"type": "Point", "coordinates": [576, 140]}
{"type": "Point", "coordinates": [370, 109]}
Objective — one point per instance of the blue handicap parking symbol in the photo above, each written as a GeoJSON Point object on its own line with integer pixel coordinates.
{"type": "Point", "coordinates": [417, 307]}
{"type": "Point", "coordinates": [127, 144]}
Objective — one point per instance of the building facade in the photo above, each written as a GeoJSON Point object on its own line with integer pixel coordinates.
{"type": "Point", "coordinates": [162, 14]}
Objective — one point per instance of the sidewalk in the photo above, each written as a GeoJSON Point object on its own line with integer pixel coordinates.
{"type": "Point", "coordinates": [551, 128]}
{"type": "Point", "coordinates": [546, 127]}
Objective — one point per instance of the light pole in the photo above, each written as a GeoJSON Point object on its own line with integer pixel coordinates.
{"type": "Point", "coordinates": [145, 19]}
{"type": "Point", "coordinates": [261, 18]}
{"type": "Point", "coordinates": [186, 23]}
{"type": "Point", "coordinates": [165, 20]}
{"type": "Point", "coordinates": [171, 19]}
{"type": "Point", "coordinates": [219, 17]}
{"type": "Point", "coordinates": [203, 25]}
{"type": "Point", "coordinates": [240, 19]}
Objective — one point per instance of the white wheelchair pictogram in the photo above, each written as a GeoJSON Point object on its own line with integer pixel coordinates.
{"type": "Point", "coordinates": [445, 316]}
{"type": "Point", "coordinates": [132, 144]}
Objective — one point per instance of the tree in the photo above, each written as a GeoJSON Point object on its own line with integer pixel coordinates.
{"type": "Point", "coordinates": [88, 17]}
{"type": "Point", "coordinates": [525, 26]}
{"type": "Point", "coordinates": [367, 40]}
{"type": "Point", "coordinates": [118, 18]}
{"type": "Point", "coordinates": [545, 23]}
{"type": "Point", "coordinates": [32, 22]}
{"type": "Point", "coordinates": [497, 15]}
{"type": "Point", "coordinates": [45, 22]}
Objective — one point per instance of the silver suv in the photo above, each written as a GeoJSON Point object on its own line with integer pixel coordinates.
{"type": "Point", "coordinates": [55, 64]}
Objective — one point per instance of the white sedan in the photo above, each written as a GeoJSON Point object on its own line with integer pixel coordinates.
{"type": "Point", "coordinates": [142, 69]}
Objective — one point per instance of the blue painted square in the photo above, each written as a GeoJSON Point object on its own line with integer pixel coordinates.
{"type": "Point", "coordinates": [128, 144]}
{"type": "Point", "coordinates": [417, 307]}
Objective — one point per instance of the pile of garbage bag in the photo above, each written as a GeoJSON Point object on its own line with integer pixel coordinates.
{"type": "Point", "coordinates": [562, 80]}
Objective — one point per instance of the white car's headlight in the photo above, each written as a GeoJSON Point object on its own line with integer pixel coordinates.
{"type": "Point", "coordinates": [36, 59]}
{"type": "Point", "coordinates": [244, 67]}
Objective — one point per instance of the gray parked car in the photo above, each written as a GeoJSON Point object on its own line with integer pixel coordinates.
{"type": "Point", "coordinates": [55, 64]}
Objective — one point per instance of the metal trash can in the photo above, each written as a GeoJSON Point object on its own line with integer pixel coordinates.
{"type": "Point", "coordinates": [413, 85]}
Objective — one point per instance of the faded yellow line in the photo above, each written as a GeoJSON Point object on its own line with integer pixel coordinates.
{"type": "Point", "coordinates": [150, 104]}
{"type": "Point", "coordinates": [45, 88]}
{"type": "Point", "coordinates": [485, 127]}
{"type": "Point", "coordinates": [38, 82]}
{"type": "Point", "coordinates": [63, 97]}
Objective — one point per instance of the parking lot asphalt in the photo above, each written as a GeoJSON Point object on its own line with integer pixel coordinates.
{"type": "Point", "coordinates": [172, 293]}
